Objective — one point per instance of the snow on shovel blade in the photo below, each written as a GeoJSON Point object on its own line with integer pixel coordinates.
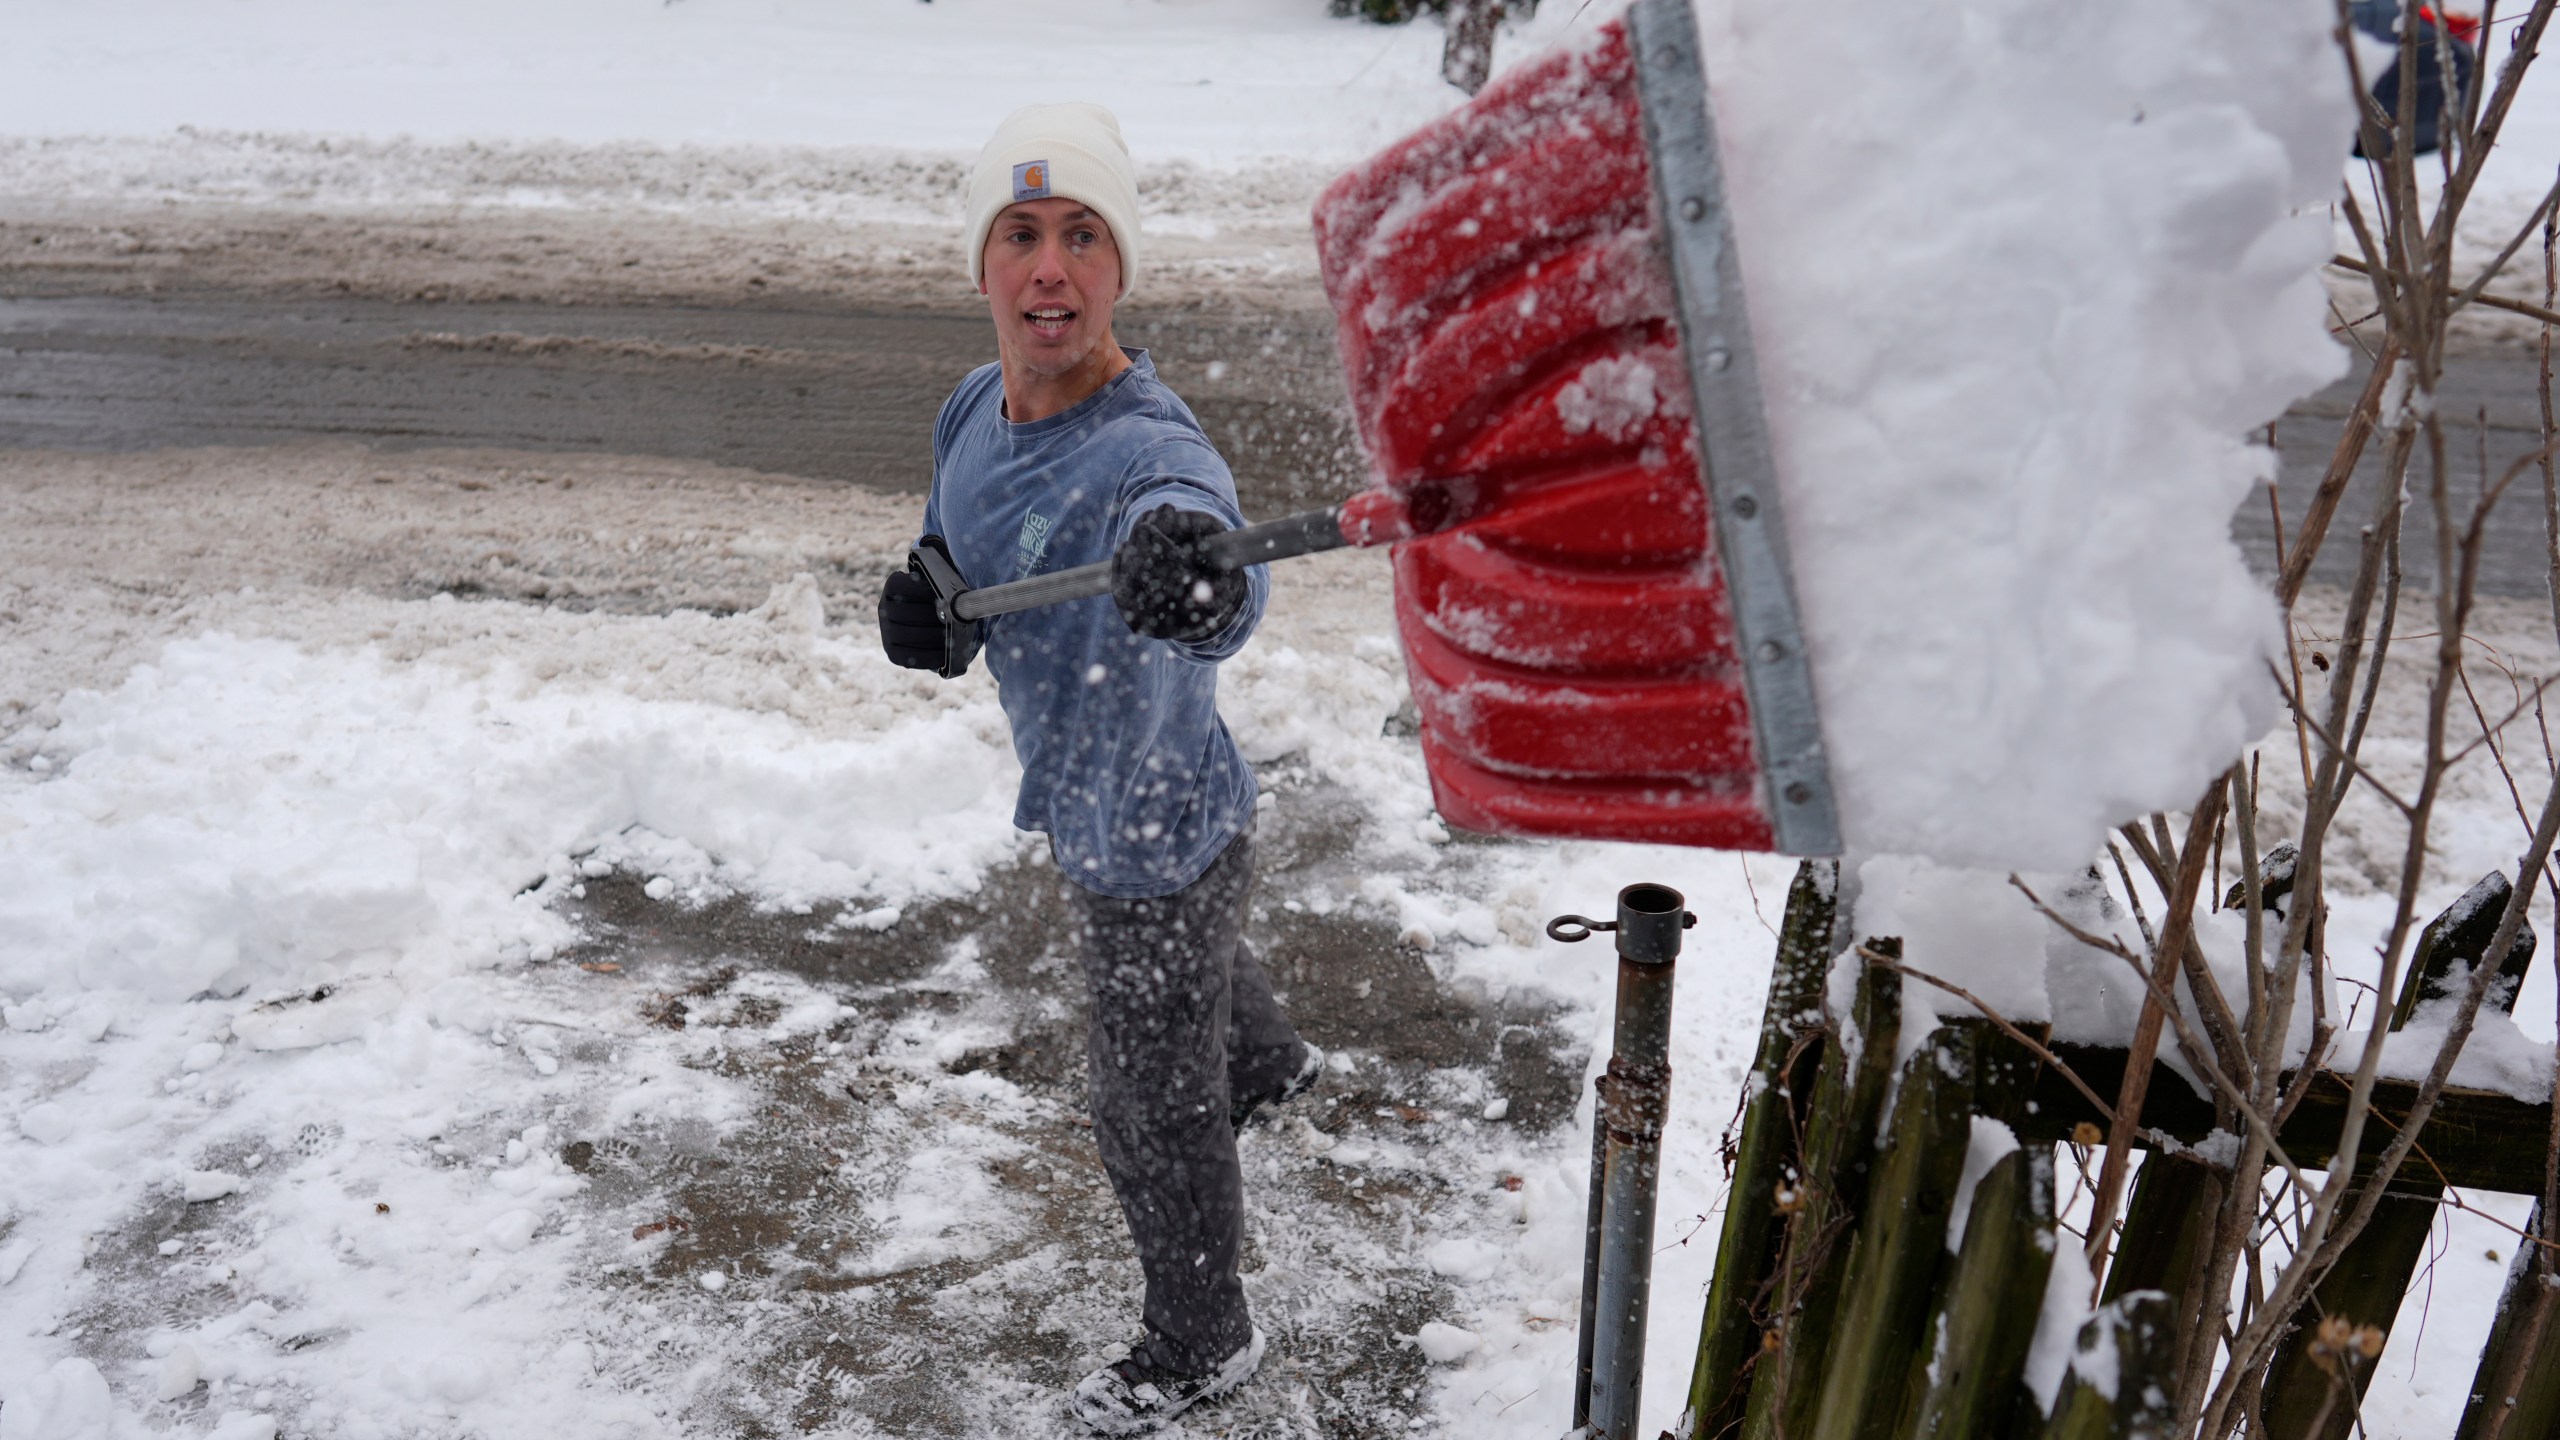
{"type": "Point", "coordinates": [1556, 388]}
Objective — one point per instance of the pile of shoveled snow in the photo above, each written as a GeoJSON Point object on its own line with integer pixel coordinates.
{"type": "Point", "coordinates": [243, 813]}
{"type": "Point", "coordinates": [2021, 296]}
{"type": "Point", "coordinates": [844, 185]}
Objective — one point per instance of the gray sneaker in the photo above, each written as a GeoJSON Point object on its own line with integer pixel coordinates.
{"type": "Point", "coordinates": [1133, 1397]}
{"type": "Point", "coordinates": [1310, 1067]}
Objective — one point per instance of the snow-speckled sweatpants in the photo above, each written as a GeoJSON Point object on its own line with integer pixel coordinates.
{"type": "Point", "coordinates": [1183, 1019]}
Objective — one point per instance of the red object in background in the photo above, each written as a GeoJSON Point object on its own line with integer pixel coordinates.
{"type": "Point", "coordinates": [2465, 28]}
{"type": "Point", "coordinates": [1507, 331]}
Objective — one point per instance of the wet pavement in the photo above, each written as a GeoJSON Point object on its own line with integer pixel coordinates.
{"type": "Point", "coordinates": [769, 1202]}
{"type": "Point", "coordinates": [835, 395]}
{"type": "Point", "coordinates": [2492, 407]}
{"type": "Point", "coordinates": [848, 395]}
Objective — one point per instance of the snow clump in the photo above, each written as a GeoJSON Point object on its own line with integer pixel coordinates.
{"type": "Point", "coordinates": [2020, 295]}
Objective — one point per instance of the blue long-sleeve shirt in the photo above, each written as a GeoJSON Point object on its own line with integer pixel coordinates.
{"type": "Point", "coordinates": [1125, 764]}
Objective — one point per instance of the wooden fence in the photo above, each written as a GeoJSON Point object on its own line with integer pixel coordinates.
{"type": "Point", "coordinates": [1840, 1309]}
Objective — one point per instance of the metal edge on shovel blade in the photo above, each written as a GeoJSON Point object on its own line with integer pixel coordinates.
{"type": "Point", "coordinates": [1733, 431]}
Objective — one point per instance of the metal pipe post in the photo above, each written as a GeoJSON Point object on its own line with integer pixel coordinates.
{"type": "Point", "coordinates": [1627, 1146]}
{"type": "Point", "coordinates": [1593, 1227]}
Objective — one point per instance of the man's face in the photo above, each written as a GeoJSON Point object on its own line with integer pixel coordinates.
{"type": "Point", "coordinates": [1052, 274]}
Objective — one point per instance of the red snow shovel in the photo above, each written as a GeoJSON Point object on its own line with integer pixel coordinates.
{"type": "Point", "coordinates": [1540, 315]}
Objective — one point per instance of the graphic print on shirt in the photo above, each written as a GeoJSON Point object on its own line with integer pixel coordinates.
{"type": "Point", "coordinates": [1143, 745]}
{"type": "Point", "coordinates": [1032, 545]}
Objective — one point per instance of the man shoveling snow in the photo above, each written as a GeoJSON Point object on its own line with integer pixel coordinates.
{"type": "Point", "coordinates": [1069, 451]}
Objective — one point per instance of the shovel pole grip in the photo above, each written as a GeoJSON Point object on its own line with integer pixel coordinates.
{"type": "Point", "coordinates": [1304, 533]}
{"type": "Point", "coordinates": [1054, 588]}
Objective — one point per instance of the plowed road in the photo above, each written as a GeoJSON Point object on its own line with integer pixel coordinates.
{"type": "Point", "coordinates": [849, 395]}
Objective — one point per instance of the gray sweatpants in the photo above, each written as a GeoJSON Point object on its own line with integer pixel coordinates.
{"type": "Point", "coordinates": [1183, 1020]}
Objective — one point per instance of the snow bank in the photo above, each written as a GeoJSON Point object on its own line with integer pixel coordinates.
{"type": "Point", "coordinates": [1214, 83]}
{"type": "Point", "coordinates": [841, 185]}
{"type": "Point", "coordinates": [2020, 293]}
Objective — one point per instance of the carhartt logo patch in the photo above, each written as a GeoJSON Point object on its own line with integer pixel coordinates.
{"type": "Point", "coordinates": [1031, 180]}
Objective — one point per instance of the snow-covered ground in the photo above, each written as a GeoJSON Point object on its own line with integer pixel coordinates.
{"type": "Point", "coordinates": [374, 1063]}
{"type": "Point", "coordinates": [515, 844]}
{"type": "Point", "coordinates": [519, 844]}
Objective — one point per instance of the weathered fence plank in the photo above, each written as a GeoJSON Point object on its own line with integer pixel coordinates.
{"type": "Point", "coordinates": [2471, 1137]}
{"type": "Point", "coordinates": [1782, 1081]}
{"type": "Point", "coordinates": [2168, 1233]}
{"type": "Point", "coordinates": [1965, 1381]}
{"type": "Point", "coordinates": [1839, 1157]}
{"type": "Point", "coordinates": [2123, 1375]}
{"type": "Point", "coordinates": [1901, 1243]}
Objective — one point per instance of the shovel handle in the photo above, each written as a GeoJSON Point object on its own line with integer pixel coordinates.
{"type": "Point", "coordinates": [1304, 533]}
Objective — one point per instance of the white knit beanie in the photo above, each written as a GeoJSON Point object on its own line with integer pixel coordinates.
{"type": "Point", "coordinates": [1072, 152]}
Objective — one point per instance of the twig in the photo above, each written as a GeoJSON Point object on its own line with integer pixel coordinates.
{"type": "Point", "coordinates": [2525, 308]}
{"type": "Point", "coordinates": [2133, 897]}
{"type": "Point", "coordinates": [2149, 855]}
{"type": "Point", "coordinates": [2353, 766]}
{"type": "Point", "coordinates": [2532, 700]}
{"type": "Point", "coordinates": [2033, 1046]}
{"type": "Point", "coordinates": [2550, 423]}
{"type": "Point", "coordinates": [2292, 645]}
{"type": "Point", "coordinates": [2333, 482]}
{"type": "Point", "coordinates": [2481, 717]}
{"type": "Point", "coordinates": [2507, 252]}
{"type": "Point", "coordinates": [2381, 643]}
{"type": "Point", "coordinates": [2193, 1047]}
{"type": "Point", "coordinates": [2541, 1247]}
{"type": "Point", "coordinates": [2253, 917]}
{"type": "Point", "coordinates": [2177, 928]}
{"type": "Point", "coordinates": [2221, 1026]}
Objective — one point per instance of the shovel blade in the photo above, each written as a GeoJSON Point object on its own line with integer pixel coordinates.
{"type": "Point", "coordinates": [1513, 318]}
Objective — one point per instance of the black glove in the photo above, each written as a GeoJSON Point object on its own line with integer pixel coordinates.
{"type": "Point", "coordinates": [1163, 582]}
{"type": "Point", "coordinates": [912, 630]}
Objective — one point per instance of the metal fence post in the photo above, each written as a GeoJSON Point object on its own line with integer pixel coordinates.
{"type": "Point", "coordinates": [1626, 1158]}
